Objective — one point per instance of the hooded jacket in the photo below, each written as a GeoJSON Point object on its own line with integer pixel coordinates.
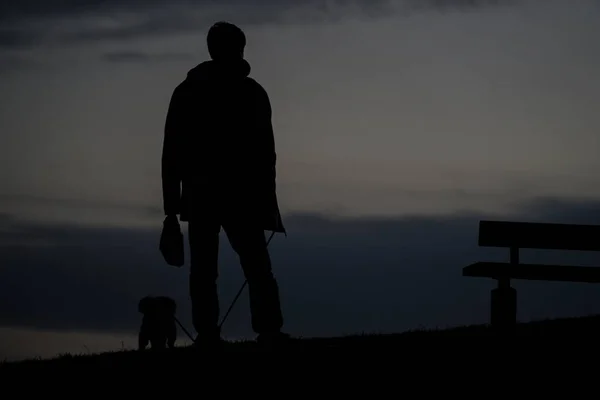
{"type": "Point", "coordinates": [218, 148]}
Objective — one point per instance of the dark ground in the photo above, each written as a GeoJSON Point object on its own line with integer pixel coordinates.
{"type": "Point", "coordinates": [367, 355]}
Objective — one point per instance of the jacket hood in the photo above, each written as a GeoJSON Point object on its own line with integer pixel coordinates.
{"type": "Point", "coordinates": [228, 70]}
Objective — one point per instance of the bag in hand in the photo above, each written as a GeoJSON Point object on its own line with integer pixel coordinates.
{"type": "Point", "coordinates": [171, 242]}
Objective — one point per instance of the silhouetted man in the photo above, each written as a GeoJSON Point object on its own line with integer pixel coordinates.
{"type": "Point", "coordinates": [218, 170]}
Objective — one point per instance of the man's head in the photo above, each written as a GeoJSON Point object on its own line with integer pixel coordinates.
{"type": "Point", "coordinates": [225, 41]}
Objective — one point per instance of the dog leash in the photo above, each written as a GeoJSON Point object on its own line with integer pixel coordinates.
{"type": "Point", "coordinates": [230, 307]}
{"type": "Point", "coordinates": [183, 328]}
{"type": "Point", "coordinates": [240, 291]}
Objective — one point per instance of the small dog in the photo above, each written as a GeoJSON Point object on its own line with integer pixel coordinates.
{"type": "Point", "coordinates": [158, 324]}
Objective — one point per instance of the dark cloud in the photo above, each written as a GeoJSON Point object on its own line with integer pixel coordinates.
{"type": "Point", "coordinates": [12, 10]}
{"type": "Point", "coordinates": [15, 38]}
{"type": "Point", "coordinates": [336, 276]}
{"type": "Point", "coordinates": [151, 25]}
{"type": "Point", "coordinates": [36, 9]}
{"type": "Point", "coordinates": [10, 63]}
{"type": "Point", "coordinates": [39, 9]}
{"type": "Point", "coordinates": [159, 18]}
{"type": "Point", "coordinates": [461, 5]}
{"type": "Point", "coordinates": [176, 19]}
{"type": "Point", "coordinates": [10, 200]}
{"type": "Point", "coordinates": [142, 57]}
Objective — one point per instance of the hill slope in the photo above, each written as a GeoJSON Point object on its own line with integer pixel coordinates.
{"type": "Point", "coordinates": [582, 328]}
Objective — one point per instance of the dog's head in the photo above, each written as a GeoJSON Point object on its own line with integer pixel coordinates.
{"type": "Point", "coordinates": [157, 306]}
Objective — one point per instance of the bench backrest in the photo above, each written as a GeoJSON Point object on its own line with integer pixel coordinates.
{"type": "Point", "coordinates": [539, 235]}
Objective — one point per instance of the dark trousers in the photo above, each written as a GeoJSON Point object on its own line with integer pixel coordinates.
{"type": "Point", "coordinates": [250, 245]}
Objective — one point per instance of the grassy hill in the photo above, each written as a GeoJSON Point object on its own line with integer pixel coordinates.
{"type": "Point", "coordinates": [470, 338]}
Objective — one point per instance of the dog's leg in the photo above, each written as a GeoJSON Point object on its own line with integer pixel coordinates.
{"type": "Point", "coordinates": [142, 340]}
{"type": "Point", "coordinates": [172, 334]}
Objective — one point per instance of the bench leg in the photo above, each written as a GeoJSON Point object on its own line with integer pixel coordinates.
{"type": "Point", "coordinates": [504, 308]}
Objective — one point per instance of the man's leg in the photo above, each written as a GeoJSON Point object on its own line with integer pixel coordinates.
{"type": "Point", "coordinates": [250, 245]}
{"type": "Point", "coordinates": [204, 254]}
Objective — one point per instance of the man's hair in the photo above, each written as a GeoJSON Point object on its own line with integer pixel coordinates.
{"type": "Point", "coordinates": [225, 41]}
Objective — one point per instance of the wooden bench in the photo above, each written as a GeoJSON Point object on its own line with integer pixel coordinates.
{"type": "Point", "coordinates": [527, 235]}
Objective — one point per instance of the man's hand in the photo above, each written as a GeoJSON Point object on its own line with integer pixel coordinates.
{"type": "Point", "coordinates": [171, 219]}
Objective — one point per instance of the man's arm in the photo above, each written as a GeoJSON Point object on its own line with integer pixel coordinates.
{"type": "Point", "coordinates": [171, 157]}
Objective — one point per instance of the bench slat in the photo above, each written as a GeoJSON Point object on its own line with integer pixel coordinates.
{"type": "Point", "coordinates": [539, 235]}
{"type": "Point", "coordinates": [564, 273]}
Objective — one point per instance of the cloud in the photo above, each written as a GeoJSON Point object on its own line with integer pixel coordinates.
{"type": "Point", "coordinates": [32, 9]}
{"type": "Point", "coordinates": [31, 23]}
{"type": "Point", "coordinates": [9, 63]}
{"type": "Point", "coordinates": [17, 38]}
{"type": "Point", "coordinates": [337, 276]}
{"type": "Point", "coordinates": [24, 9]}
{"type": "Point", "coordinates": [142, 57]}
